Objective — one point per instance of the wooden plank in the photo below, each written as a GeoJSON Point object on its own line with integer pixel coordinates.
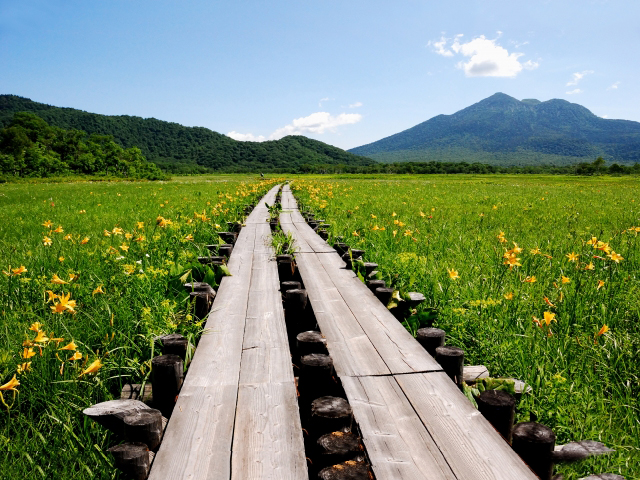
{"type": "Point", "coordinates": [351, 349]}
{"type": "Point", "coordinates": [398, 444]}
{"type": "Point", "coordinates": [473, 449]}
{"type": "Point", "coordinates": [314, 241]}
{"type": "Point", "coordinates": [300, 245]}
{"type": "Point", "coordinates": [397, 347]}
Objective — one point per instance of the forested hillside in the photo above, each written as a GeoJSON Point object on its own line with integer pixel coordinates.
{"type": "Point", "coordinates": [178, 148]}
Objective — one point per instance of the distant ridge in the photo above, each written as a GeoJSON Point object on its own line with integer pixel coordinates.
{"type": "Point", "coordinates": [502, 130]}
{"type": "Point", "coordinates": [179, 148]}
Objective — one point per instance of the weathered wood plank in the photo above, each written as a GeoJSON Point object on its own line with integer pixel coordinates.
{"type": "Point", "coordinates": [312, 239]}
{"type": "Point", "coordinates": [473, 449]}
{"type": "Point", "coordinates": [300, 244]}
{"type": "Point", "coordinates": [398, 444]}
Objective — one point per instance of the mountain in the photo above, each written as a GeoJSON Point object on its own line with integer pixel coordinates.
{"type": "Point", "coordinates": [180, 148]}
{"type": "Point", "coordinates": [503, 130]}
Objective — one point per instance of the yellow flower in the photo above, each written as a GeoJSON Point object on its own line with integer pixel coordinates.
{"type": "Point", "coordinates": [28, 352]}
{"type": "Point", "coordinates": [355, 234]}
{"type": "Point", "coordinates": [112, 250]}
{"type": "Point", "coordinates": [375, 227]}
{"type": "Point", "coordinates": [61, 259]}
{"type": "Point", "coordinates": [35, 326]}
{"type": "Point", "coordinates": [615, 257]}
{"type": "Point", "coordinates": [516, 248]}
{"type": "Point", "coordinates": [59, 229]}
{"type": "Point", "coordinates": [602, 331]}
{"type": "Point", "coordinates": [508, 296]}
{"type": "Point", "coordinates": [84, 240]}
{"type": "Point", "coordinates": [65, 304]}
{"type": "Point", "coordinates": [124, 248]}
{"type": "Point", "coordinates": [75, 356]}
{"type": "Point", "coordinates": [117, 231]}
{"type": "Point", "coordinates": [106, 233]}
{"type": "Point", "coordinates": [590, 266]}
{"type": "Point", "coordinates": [600, 284]}
{"type": "Point", "coordinates": [395, 232]}
{"type": "Point", "coordinates": [373, 216]}
{"type": "Point", "coordinates": [70, 346]}
{"type": "Point", "coordinates": [422, 214]}
{"type": "Point", "coordinates": [73, 277]}
{"type": "Point", "coordinates": [573, 257]}
{"type": "Point", "coordinates": [394, 214]}
{"type": "Point", "coordinates": [549, 317]}
{"type": "Point", "coordinates": [139, 239]}
{"type": "Point", "coordinates": [24, 367]}
{"type": "Point", "coordinates": [548, 302]}
{"type": "Point", "coordinates": [495, 207]}
{"type": "Point", "coordinates": [57, 280]}
{"type": "Point", "coordinates": [396, 222]}
{"type": "Point", "coordinates": [41, 337]}
{"type": "Point", "coordinates": [139, 225]}
{"type": "Point", "coordinates": [46, 241]}
{"type": "Point", "coordinates": [93, 368]}
{"type": "Point", "coordinates": [11, 384]}
{"type": "Point", "coordinates": [530, 279]}
{"type": "Point", "coordinates": [48, 224]}
{"type": "Point", "coordinates": [566, 279]}
{"type": "Point", "coordinates": [98, 290]}
{"type": "Point", "coordinates": [52, 296]}
{"type": "Point", "coordinates": [68, 236]}
{"type": "Point", "coordinates": [128, 236]}
{"type": "Point", "coordinates": [19, 271]}
{"type": "Point", "coordinates": [453, 274]}
{"type": "Point", "coordinates": [407, 233]}
{"type": "Point", "coordinates": [535, 251]}
{"type": "Point", "coordinates": [511, 260]}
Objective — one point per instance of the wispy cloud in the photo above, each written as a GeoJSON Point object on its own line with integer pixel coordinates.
{"type": "Point", "coordinates": [316, 123]}
{"type": "Point", "coordinates": [574, 91]}
{"type": "Point", "coordinates": [355, 105]}
{"type": "Point", "coordinates": [614, 86]}
{"type": "Point", "coordinates": [576, 77]}
{"type": "Point", "coordinates": [486, 57]}
{"type": "Point", "coordinates": [325, 99]}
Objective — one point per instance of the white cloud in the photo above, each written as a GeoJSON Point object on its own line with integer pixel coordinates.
{"type": "Point", "coordinates": [318, 122]}
{"type": "Point", "coordinates": [246, 137]}
{"type": "Point", "coordinates": [614, 86]}
{"type": "Point", "coordinates": [355, 105]}
{"type": "Point", "coordinates": [486, 57]}
{"type": "Point", "coordinates": [325, 99]}
{"type": "Point", "coordinates": [573, 92]}
{"type": "Point", "coordinates": [605, 116]}
{"type": "Point", "coordinates": [576, 77]}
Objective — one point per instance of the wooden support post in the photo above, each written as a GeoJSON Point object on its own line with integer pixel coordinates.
{"type": "Point", "coordinates": [451, 360]}
{"type": "Point", "coordinates": [383, 294]}
{"type": "Point", "coordinates": [373, 284]}
{"type": "Point", "coordinates": [295, 299]}
{"type": "Point", "coordinates": [202, 303]}
{"type": "Point", "coordinates": [323, 234]}
{"type": "Point", "coordinates": [225, 250]}
{"type": "Point", "coordinates": [534, 443]}
{"type": "Point", "coordinates": [132, 459]}
{"type": "Point", "coordinates": [357, 253]}
{"type": "Point", "coordinates": [329, 414]}
{"type": "Point", "coordinates": [313, 224]}
{"type": "Point", "coordinates": [316, 376]}
{"type": "Point", "coordinates": [415, 299]}
{"type": "Point", "coordinates": [310, 342]}
{"type": "Point", "coordinates": [348, 260]}
{"type": "Point", "coordinates": [145, 427]}
{"type": "Point", "coordinates": [167, 373]}
{"type": "Point", "coordinates": [228, 237]}
{"type": "Point", "coordinates": [273, 225]}
{"type": "Point", "coordinates": [286, 267]}
{"type": "Point", "coordinates": [211, 260]}
{"type": "Point", "coordinates": [341, 248]}
{"type": "Point", "coordinates": [370, 267]}
{"type": "Point", "coordinates": [200, 286]}
{"type": "Point", "coordinates": [133, 391]}
{"type": "Point", "coordinates": [499, 408]}
{"type": "Point", "coordinates": [289, 285]}
{"type": "Point", "coordinates": [111, 414]}
{"type": "Point", "coordinates": [430, 339]}
{"type": "Point", "coordinates": [349, 470]}
{"type": "Point", "coordinates": [174, 344]}
{"type": "Point", "coordinates": [235, 226]}
{"type": "Point", "coordinates": [336, 447]}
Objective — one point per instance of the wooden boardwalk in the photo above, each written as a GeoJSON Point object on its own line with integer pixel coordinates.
{"type": "Point", "coordinates": [237, 414]}
{"type": "Point", "coordinates": [414, 421]}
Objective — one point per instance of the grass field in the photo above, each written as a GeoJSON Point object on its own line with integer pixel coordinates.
{"type": "Point", "coordinates": [536, 277]}
{"type": "Point", "coordinates": [91, 275]}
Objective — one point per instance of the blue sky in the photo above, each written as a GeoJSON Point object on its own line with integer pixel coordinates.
{"type": "Point", "coordinates": [346, 72]}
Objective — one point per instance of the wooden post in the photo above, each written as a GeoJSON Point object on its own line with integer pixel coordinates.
{"type": "Point", "coordinates": [202, 304]}
{"type": "Point", "coordinates": [336, 447]}
{"type": "Point", "coordinates": [313, 224]}
{"type": "Point", "coordinates": [211, 260]}
{"type": "Point", "coordinates": [383, 294]}
{"type": "Point", "coordinates": [329, 414]}
{"type": "Point", "coordinates": [111, 414]}
{"type": "Point", "coordinates": [341, 248]}
{"type": "Point", "coordinates": [144, 427]}
{"type": "Point", "coordinates": [225, 250]}
{"type": "Point", "coordinates": [430, 339]}
{"type": "Point", "coordinates": [357, 253]}
{"type": "Point", "coordinates": [323, 234]}
{"type": "Point", "coordinates": [349, 470]}
{"type": "Point", "coordinates": [167, 373]}
{"type": "Point", "coordinates": [286, 267]}
{"type": "Point", "coordinates": [134, 391]}
{"type": "Point", "coordinates": [228, 237]}
{"type": "Point", "coordinates": [200, 286]}
{"type": "Point", "coordinates": [174, 344]}
{"type": "Point", "coordinates": [499, 408]}
{"type": "Point", "coordinates": [373, 284]}
{"type": "Point", "coordinates": [289, 285]}
{"type": "Point", "coordinates": [370, 267]}
{"type": "Point", "coordinates": [295, 299]}
{"type": "Point", "coordinates": [348, 260]}
{"type": "Point", "coordinates": [132, 459]}
{"type": "Point", "coordinates": [235, 226]}
{"type": "Point", "coordinates": [273, 225]}
{"type": "Point", "coordinates": [310, 342]}
{"type": "Point", "coordinates": [451, 360]}
{"type": "Point", "coordinates": [534, 443]}
{"type": "Point", "coordinates": [415, 299]}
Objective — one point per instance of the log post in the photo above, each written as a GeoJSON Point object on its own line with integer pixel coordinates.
{"type": "Point", "coordinates": [341, 248]}
{"type": "Point", "coordinates": [202, 304]}
{"type": "Point", "coordinates": [383, 294]}
{"type": "Point", "coordinates": [349, 470]}
{"type": "Point", "coordinates": [415, 299]}
{"type": "Point", "coordinates": [373, 284]}
{"type": "Point", "coordinates": [132, 459]}
{"type": "Point", "coordinates": [174, 344]}
{"type": "Point", "coordinates": [111, 414]}
{"type": "Point", "coordinates": [310, 342]}
{"type": "Point", "coordinates": [430, 339]}
{"type": "Point", "coordinates": [167, 373]}
{"type": "Point", "coordinates": [451, 360]}
{"type": "Point", "coordinates": [144, 427]}
{"type": "Point", "coordinates": [211, 260]}
{"type": "Point", "coordinates": [289, 285]}
{"type": "Point", "coordinates": [499, 408]}
{"type": "Point", "coordinates": [534, 443]}
{"type": "Point", "coordinates": [200, 286]}
{"type": "Point", "coordinates": [225, 250]}
{"type": "Point", "coordinates": [355, 253]}
{"type": "Point", "coordinates": [134, 391]}
{"type": "Point", "coordinates": [316, 376]}
{"type": "Point", "coordinates": [286, 267]}
{"type": "Point", "coordinates": [337, 447]}
{"type": "Point", "coordinates": [329, 414]}
{"type": "Point", "coordinates": [295, 299]}
{"type": "Point", "coordinates": [323, 234]}
{"type": "Point", "coordinates": [228, 237]}
{"type": "Point", "coordinates": [273, 225]}
{"type": "Point", "coordinates": [235, 227]}
{"type": "Point", "coordinates": [370, 267]}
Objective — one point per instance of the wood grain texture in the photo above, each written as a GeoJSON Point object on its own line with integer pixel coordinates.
{"type": "Point", "coordinates": [473, 449]}
{"type": "Point", "coordinates": [398, 444]}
